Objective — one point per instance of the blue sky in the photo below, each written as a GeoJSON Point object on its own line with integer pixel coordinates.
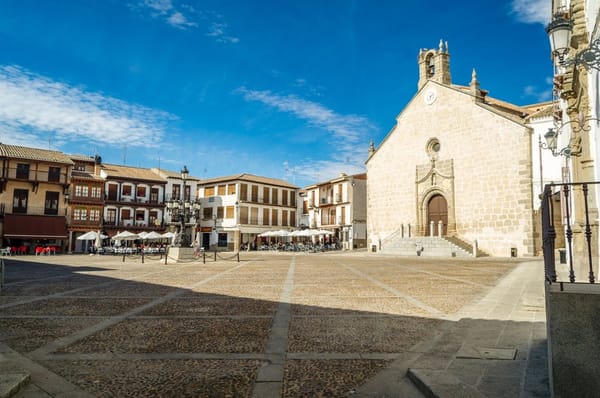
{"type": "Point", "coordinates": [285, 89]}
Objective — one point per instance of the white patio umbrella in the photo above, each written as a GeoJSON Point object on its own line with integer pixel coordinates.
{"type": "Point", "coordinates": [91, 235]}
{"type": "Point", "coordinates": [143, 235]}
{"type": "Point", "coordinates": [153, 235]}
{"type": "Point", "coordinates": [169, 235]}
{"type": "Point", "coordinates": [126, 235]}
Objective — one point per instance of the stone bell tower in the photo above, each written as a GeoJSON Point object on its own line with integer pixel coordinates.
{"type": "Point", "coordinates": [434, 65]}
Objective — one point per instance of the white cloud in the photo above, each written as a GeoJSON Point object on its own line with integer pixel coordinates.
{"type": "Point", "coordinates": [217, 30]}
{"type": "Point", "coordinates": [183, 16]}
{"type": "Point", "coordinates": [350, 133]}
{"type": "Point", "coordinates": [534, 91]}
{"type": "Point", "coordinates": [532, 11]}
{"type": "Point", "coordinates": [33, 107]}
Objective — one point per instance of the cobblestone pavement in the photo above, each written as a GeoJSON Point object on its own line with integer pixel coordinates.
{"type": "Point", "coordinates": [271, 325]}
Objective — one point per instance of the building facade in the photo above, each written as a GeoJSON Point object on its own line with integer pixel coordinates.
{"type": "Point", "coordinates": [175, 190]}
{"type": "Point", "coordinates": [339, 206]}
{"type": "Point", "coordinates": [457, 163]}
{"type": "Point", "coordinates": [236, 209]}
{"type": "Point", "coordinates": [134, 199]}
{"type": "Point", "coordinates": [33, 208]}
{"type": "Point", "coordinates": [86, 200]}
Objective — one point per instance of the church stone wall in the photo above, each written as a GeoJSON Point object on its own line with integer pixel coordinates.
{"type": "Point", "coordinates": [492, 184]}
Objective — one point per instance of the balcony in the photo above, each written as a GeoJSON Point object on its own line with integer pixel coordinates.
{"type": "Point", "coordinates": [35, 211]}
{"type": "Point", "coordinates": [572, 291]}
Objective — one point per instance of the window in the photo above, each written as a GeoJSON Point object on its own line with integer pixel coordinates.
{"type": "Point", "coordinates": [126, 190]}
{"type": "Point", "coordinates": [175, 192]}
{"type": "Point", "coordinates": [79, 167]}
{"type": "Point", "coordinates": [207, 213]}
{"type": "Point", "coordinates": [23, 171]}
{"type": "Point", "coordinates": [221, 190]}
{"type": "Point", "coordinates": [80, 214]}
{"type": "Point", "coordinates": [96, 192]}
{"type": "Point", "coordinates": [152, 217]}
{"type": "Point", "coordinates": [54, 174]}
{"type": "Point", "coordinates": [112, 191]}
{"type": "Point", "coordinates": [254, 215]}
{"type": "Point", "coordinates": [111, 216]}
{"type": "Point", "coordinates": [222, 242]}
{"type": "Point", "coordinates": [20, 200]}
{"type": "Point", "coordinates": [209, 191]}
{"type": "Point", "coordinates": [255, 193]}
{"type": "Point", "coordinates": [243, 192]}
{"type": "Point", "coordinates": [266, 216]}
{"type": "Point", "coordinates": [275, 196]}
{"type": "Point", "coordinates": [81, 191]}
{"type": "Point", "coordinates": [229, 212]}
{"type": "Point", "coordinates": [293, 198]}
{"type": "Point", "coordinates": [95, 215]}
{"type": "Point", "coordinates": [140, 215]}
{"type": "Point", "coordinates": [292, 218]}
{"type": "Point", "coordinates": [141, 191]}
{"type": "Point", "coordinates": [304, 207]}
{"type": "Point", "coordinates": [51, 203]}
{"type": "Point", "coordinates": [154, 195]}
{"type": "Point", "coordinates": [284, 197]}
{"type": "Point", "coordinates": [220, 211]}
{"type": "Point", "coordinates": [266, 196]}
{"type": "Point", "coordinates": [284, 218]}
{"type": "Point", "coordinates": [188, 190]}
{"type": "Point", "coordinates": [243, 215]}
{"type": "Point", "coordinates": [274, 218]}
{"type": "Point", "coordinates": [342, 215]}
{"type": "Point", "coordinates": [126, 214]}
{"type": "Point", "coordinates": [231, 189]}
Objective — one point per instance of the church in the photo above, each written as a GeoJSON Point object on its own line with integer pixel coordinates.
{"type": "Point", "coordinates": [458, 165]}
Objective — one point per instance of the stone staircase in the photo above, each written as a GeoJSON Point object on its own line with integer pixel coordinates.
{"type": "Point", "coordinates": [425, 246]}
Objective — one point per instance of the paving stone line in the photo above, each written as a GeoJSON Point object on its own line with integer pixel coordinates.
{"type": "Point", "coordinates": [395, 292]}
{"type": "Point", "coordinates": [49, 382]}
{"type": "Point", "coordinates": [59, 343]}
{"type": "Point", "coordinates": [63, 294]}
{"type": "Point", "coordinates": [269, 380]}
{"type": "Point", "coordinates": [422, 271]}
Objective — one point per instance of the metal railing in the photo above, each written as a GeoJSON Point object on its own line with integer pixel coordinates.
{"type": "Point", "coordinates": [559, 202]}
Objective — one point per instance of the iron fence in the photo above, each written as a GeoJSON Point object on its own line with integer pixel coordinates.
{"type": "Point", "coordinates": [559, 204]}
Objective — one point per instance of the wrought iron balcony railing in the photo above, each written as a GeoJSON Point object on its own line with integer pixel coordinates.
{"type": "Point", "coordinates": [559, 202]}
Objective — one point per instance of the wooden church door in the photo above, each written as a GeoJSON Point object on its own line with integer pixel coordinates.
{"type": "Point", "coordinates": [437, 209]}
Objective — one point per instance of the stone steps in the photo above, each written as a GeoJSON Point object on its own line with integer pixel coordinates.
{"type": "Point", "coordinates": [424, 246]}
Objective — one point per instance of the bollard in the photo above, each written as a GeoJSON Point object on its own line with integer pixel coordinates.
{"type": "Point", "coordinates": [238, 256]}
{"type": "Point", "coordinates": [123, 255]}
{"type": "Point", "coordinates": [402, 228]}
{"type": "Point", "coordinates": [142, 256]}
{"type": "Point", "coordinates": [440, 227]}
{"type": "Point", "coordinates": [409, 230]}
{"type": "Point", "coordinates": [166, 254]}
{"type": "Point", "coordinates": [431, 228]}
{"type": "Point", "coordinates": [215, 255]}
{"type": "Point", "coordinates": [203, 257]}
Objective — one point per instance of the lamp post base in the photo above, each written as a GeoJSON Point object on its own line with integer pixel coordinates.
{"type": "Point", "coordinates": [177, 254]}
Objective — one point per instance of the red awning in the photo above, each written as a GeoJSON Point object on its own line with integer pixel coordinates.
{"type": "Point", "coordinates": [35, 227]}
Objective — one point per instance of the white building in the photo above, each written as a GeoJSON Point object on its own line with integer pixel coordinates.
{"type": "Point", "coordinates": [339, 206]}
{"type": "Point", "coordinates": [236, 209]}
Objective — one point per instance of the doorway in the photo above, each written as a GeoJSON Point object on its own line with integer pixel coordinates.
{"type": "Point", "coordinates": [206, 240]}
{"type": "Point", "coordinates": [437, 210]}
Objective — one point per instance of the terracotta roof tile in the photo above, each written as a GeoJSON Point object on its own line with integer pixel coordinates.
{"type": "Point", "coordinates": [44, 155]}
{"type": "Point", "coordinates": [249, 178]}
{"type": "Point", "coordinates": [138, 173]}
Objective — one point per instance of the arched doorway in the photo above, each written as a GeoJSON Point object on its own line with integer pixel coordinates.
{"type": "Point", "coordinates": [437, 210]}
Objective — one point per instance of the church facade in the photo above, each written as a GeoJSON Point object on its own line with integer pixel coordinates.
{"type": "Point", "coordinates": [457, 163]}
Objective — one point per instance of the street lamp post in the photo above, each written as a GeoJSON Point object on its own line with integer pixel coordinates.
{"type": "Point", "coordinates": [183, 208]}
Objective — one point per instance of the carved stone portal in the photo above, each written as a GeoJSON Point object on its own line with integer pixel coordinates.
{"type": "Point", "coordinates": [435, 179]}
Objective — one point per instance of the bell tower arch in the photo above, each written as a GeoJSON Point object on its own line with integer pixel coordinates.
{"type": "Point", "coordinates": [434, 65]}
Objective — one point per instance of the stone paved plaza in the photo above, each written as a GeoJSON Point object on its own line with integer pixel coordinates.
{"type": "Point", "coordinates": [273, 324]}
